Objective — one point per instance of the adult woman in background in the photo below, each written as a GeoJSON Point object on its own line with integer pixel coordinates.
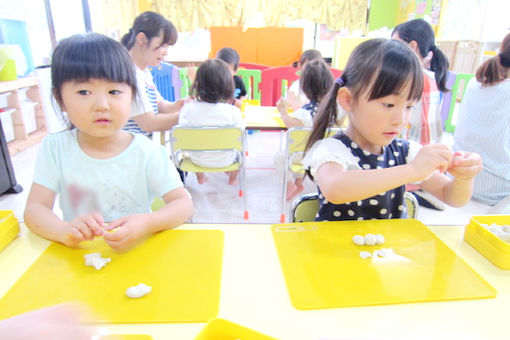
{"type": "Point", "coordinates": [425, 125]}
{"type": "Point", "coordinates": [148, 42]}
{"type": "Point", "coordinates": [483, 126]}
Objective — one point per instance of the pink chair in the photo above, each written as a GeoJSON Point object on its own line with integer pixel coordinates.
{"type": "Point", "coordinates": [273, 82]}
{"type": "Point", "coordinates": [336, 72]}
{"type": "Point", "coordinates": [253, 66]}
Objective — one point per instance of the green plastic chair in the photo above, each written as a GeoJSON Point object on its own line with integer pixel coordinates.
{"type": "Point", "coordinates": [461, 78]}
{"type": "Point", "coordinates": [251, 80]}
{"type": "Point", "coordinates": [185, 82]}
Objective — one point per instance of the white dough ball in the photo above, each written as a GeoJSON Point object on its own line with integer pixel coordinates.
{"type": "Point", "coordinates": [370, 239]}
{"type": "Point", "coordinates": [379, 239]}
{"type": "Point", "coordinates": [358, 240]}
{"type": "Point", "coordinates": [365, 254]}
{"type": "Point", "coordinates": [138, 291]}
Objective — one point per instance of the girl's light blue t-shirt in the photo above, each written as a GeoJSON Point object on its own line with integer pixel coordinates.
{"type": "Point", "coordinates": [122, 185]}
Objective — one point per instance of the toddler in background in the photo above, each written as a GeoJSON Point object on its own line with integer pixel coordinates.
{"type": "Point", "coordinates": [231, 57]}
{"type": "Point", "coordinates": [100, 172]}
{"type": "Point", "coordinates": [315, 80]}
{"type": "Point", "coordinates": [295, 96]}
{"type": "Point", "coordinates": [361, 172]}
{"type": "Point", "coordinates": [213, 90]}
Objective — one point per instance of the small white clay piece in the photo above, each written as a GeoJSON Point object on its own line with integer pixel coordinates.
{"type": "Point", "coordinates": [380, 253]}
{"type": "Point", "coordinates": [501, 231]}
{"type": "Point", "coordinates": [379, 239]}
{"type": "Point", "coordinates": [370, 239]}
{"type": "Point", "coordinates": [138, 291]}
{"type": "Point", "coordinates": [358, 240]}
{"type": "Point", "coordinates": [95, 260]}
{"type": "Point", "coordinates": [365, 254]}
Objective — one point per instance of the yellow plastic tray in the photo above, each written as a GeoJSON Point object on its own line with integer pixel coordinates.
{"type": "Point", "coordinates": [221, 329]}
{"type": "Point", "coordinates": [9, 227]}
{"type": "Point", "coordinates": [489, 245]}
{"type": "Point", "coordinates": [183, 267]}
{"type": "Point", "coordinates": [323, 269]}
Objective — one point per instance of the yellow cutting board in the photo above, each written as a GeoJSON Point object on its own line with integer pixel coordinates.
{"type": "Point", "coordinates": [323, 269]}
{"type": "Point", "coordinates": [183, 267]}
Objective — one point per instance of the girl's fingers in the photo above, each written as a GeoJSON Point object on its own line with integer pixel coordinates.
{"type": "Point", "coordinates": [84, 229]}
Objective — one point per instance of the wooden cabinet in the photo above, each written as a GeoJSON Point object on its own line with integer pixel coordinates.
{"type": "Point", "coordinates": [28, 118]}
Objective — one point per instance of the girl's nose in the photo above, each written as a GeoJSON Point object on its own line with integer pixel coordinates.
{"type": "Point", "coordinates": [101, 103]}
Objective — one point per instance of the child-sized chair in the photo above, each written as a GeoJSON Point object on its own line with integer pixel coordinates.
{"type": "Point", "coordinates": [461, 81]}
{"type": "Point", "coordinates": [210, 140]}
{"type": "Point", "coordinates": [294, 150]}
{"type": "Point", "coordinates": [305, 207]}
{"type": "Point", "coordinates": [166, 79]}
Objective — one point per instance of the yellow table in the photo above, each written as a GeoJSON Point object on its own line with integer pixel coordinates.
{"type": "Point", "coordinates": [254, 294]}
{"type": "Point", "coordinates": [262, 118]}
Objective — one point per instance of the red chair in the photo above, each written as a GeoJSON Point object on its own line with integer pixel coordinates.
{"type": "Point", "coordinates": [272, 85]}
{"type": "Point", "coordinates": [336, 72]}
{"type": "Point", "coordinates": [253, 66]}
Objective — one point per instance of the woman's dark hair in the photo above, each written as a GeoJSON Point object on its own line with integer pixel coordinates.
{"type": "Point", "coordinates": [152, 25]}
{"type": "Point", "coordinates": [496, 69]}
{"type": "Point", "coordinates": [90, 56]}
{"type": "Point", "coordinates": [230, 56]}
{"type": "Point", "coordinates": [420, 31]}
{"type": "Point", "coordinates": [375, 69]}
{"type": "Point", "coordinates": [316, 79]}
{"type": "Point", "coordinates": [213, 82]}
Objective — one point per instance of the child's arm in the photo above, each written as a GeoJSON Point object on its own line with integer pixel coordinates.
{"type": "Point", "coordinates": [132, 228]}
{"type": "Point", "coordinates": [340, 186]}
{"type": "Point", "coordinates": [164, 106]}
{"type": "Point", "coordinates": [152, 122]}
{"type": "Point", "coordinates": [289, 121]}
{"type": "Point", "coordinates": [40, 218]}
{"type": "Point", "coordinates": [456, 192]}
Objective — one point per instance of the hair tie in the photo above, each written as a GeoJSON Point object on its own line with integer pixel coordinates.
{"type": "Point", "coordinates": [504, 61]}
{"type": "Point", "coordinates": [340, 81]}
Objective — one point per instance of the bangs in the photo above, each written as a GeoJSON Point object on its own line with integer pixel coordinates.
{"type": "Point", "coordinates": [169, 34]}
{"type": "Point", "coordinates": [400, 69]}
{"type": "Point", "coordinates": [87, 56]}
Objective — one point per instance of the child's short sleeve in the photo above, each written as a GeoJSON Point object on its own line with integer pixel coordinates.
{"type": "Point", "coordinates": [162, 175]}
{"type": "Point", "coordinates": [304, 117]}
{"type": "Point", "coordinates": [46, 171]}
{"type": "Point", "coordinates": [329, 150]}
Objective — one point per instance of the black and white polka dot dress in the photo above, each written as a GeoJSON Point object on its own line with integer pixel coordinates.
{"type": "Point", "coordinates": [389, 204]}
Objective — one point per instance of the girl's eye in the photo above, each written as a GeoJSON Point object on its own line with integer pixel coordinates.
{"type": "Point", "coordinates": [409, 107]}
{"type": "Point", "coordinates": [388, 105]}
{"type": "Point", "coordinates": [83, 92]}
{"type": "Point", "coordinates": [115, 92]}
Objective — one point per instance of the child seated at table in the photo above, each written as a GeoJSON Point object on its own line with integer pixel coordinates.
{"type": "Point", "coordinates": [361, 172]}
{"type": "Point", "coordinates": [101, 172]}
{"type": "Point", "coordinates": [315, 81]}
{"type": "Point", "coordinates": [295, 96]}
{"type": "Point", "coordinates": [231, 57]}
{"type": "Point", "coordinates": [213, 90]}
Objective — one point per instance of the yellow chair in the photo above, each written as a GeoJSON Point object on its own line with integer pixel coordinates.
{"type": "Point", "coordinates": [208, 140]}
{"type": "Point", "coordinates": [305, 207]}
{"type": "Point", "coordinates": [297, 138]}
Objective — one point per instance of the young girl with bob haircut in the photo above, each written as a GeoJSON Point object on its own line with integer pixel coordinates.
{"type": "Point", "coordinates": [361, 172]}
{"type": "Point", "coordinates": [213, 91]}
{"type": "Point", "coordinates": [101, 173]}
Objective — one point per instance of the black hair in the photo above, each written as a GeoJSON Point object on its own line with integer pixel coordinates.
{"type": "Point", "coordinates": [152, 25]}
{"type": "Point", "coordinates": [230, 56]}
{"type": "Point", "coordinates": [420, 31]}
{"type": "Point", "coordinates": [316, 79]}
{"type": "Point", "coordinates": [376, 68]}
{"type": "Point", "coordinates": [496, 69]}
{"type": "Point", "coordinates": [309, 55]}
{"type": "Point", "coordinates": [90, 56]}
{"type": "Point", "coordinates": [213, 82]}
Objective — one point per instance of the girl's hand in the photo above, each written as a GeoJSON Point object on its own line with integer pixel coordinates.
{"type": "Point", "coordinates": [130, 229]}
{"type": "Point", "coordinates": [82, 228]}
{"type": "Point", "coordinates": [282, 106]}
{"type": "Point", "coordinates": [465, 165]}
{"type": "Point", "coordinates": [429, 159]}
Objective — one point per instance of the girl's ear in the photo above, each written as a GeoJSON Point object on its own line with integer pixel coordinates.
{"type": "Point", "coordinates": [414, 46]}
{"type": "Point", "coordinates": [141, 39]}
{"type": "Point", "coordinates": [344, 99]}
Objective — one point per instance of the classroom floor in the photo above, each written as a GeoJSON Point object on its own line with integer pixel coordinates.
{"type": "Point", "coordinates": [217, 202]}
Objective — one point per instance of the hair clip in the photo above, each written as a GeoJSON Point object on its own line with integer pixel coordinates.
{"type": "Point", "coordinates": [340, 81]}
